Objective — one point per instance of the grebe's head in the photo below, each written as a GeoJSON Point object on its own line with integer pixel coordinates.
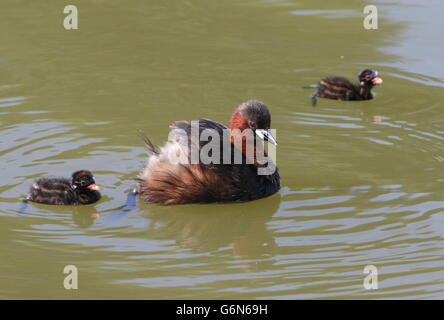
{"type": "Point", "coordinates": [369, 78]}
{"type": "Point", "coordinates": [84, 179]}
{"type": "Point", "coordinates": [253, 115]}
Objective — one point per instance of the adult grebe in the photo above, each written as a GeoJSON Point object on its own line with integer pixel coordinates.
{"type": "Point", "coordinates": [171, 182]}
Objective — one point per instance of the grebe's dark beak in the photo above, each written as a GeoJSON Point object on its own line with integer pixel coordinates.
{"type": "Point", "coordinates": [376, 80]}
{"type": "Point", "coordinates": [93, 187]}
{"type": "Point", "coordinates": [266, 136]}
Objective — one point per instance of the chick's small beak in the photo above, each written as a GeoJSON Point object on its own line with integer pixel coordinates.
{"type": "Point", "coordinates": [266, 136]}
{"type": "Point", "coordinates": [93, 187]}
{"type": "Point", "coordinates": [376, 80]}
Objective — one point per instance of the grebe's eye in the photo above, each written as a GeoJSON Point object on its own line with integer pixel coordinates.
{"type": "Point", "coordinates": [252, 124]}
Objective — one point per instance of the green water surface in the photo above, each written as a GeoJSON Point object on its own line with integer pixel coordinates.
{"type": "Point", "coordinates": [362, 182]}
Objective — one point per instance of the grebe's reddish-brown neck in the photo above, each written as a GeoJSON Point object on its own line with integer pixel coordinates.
{"type": "Point", "coordinates": [237, 125]}
{"type": "Point", "coordinates": [252, 115]}
{"type": "Point", "coordinates": [237, 121]}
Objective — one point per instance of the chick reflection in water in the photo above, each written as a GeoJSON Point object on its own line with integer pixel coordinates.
{"type": "Point", "coordinates": [207, 228]}
{"type": "Point", "coordinates": [85, 216]}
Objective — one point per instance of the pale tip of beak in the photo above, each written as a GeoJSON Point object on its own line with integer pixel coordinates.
{"type": "Point", "coordinates": [93, 187]}
{"type": "Point", "coordinates": [377, 80]}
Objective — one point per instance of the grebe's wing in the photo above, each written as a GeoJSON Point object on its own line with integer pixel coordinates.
{"type": "Point", "coordinates": [203, 124]}
{"type": "Point", "coordinates": [185, 132]}
{"type": "Point", "coordinates": [149, 145]}
{"type": "Point", "coordinates": [225, 149]}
